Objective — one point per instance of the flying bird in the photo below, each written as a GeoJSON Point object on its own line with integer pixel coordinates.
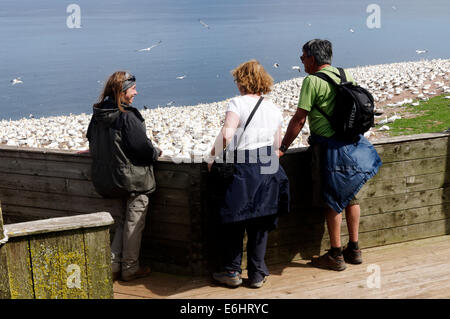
{"type": "Point", "coordinates": [276, 65]}
{"type": "Point", "coordinates": [351, 30]}
{"type": "Point", "coordinates": [181, 77]}
{"type": "Point", "coordinates": [421, 51]}
{"type": "Point", "coordinates": [149, 48]}
{"type": "Point", "coordinates": [296, 67]}
{"type": "Point", "coordinates": [16, 81]}
{"type": "Point", "coordinates": [203, 23]}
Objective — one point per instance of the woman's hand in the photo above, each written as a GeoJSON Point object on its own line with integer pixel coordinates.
{"type": "Point", "coordinates": [209, 166]}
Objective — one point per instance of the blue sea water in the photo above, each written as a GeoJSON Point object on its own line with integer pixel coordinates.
{"type": "Point", "coordinates": [63, 69]}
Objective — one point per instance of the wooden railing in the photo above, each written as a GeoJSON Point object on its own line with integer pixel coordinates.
{"type": "Point", "coordinates": [408, 199]}
{"type": "Point", "coordinates": [63, 258]}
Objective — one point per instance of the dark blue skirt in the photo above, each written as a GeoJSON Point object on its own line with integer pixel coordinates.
{"type": "Point", "coordinates": [259, 187]}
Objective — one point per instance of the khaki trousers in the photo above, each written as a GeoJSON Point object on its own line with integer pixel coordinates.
{"type": "Point", "coordinates": [126, 243]}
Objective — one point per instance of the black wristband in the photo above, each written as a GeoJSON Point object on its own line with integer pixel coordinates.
{"type": "Point", "coordinates": [283, 148]}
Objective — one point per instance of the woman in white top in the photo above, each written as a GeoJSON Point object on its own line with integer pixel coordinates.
{"type": "Point", "coordinates": [259, 189]}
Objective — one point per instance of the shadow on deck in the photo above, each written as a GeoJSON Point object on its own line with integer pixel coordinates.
{"type": "Point", "coordinates": [415, 269]}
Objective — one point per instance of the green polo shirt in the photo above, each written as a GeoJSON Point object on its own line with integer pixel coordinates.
{"type": "Point", "coordinates": [320, 93]}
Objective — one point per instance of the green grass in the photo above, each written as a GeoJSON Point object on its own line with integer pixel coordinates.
{"type": "Point", "coordinates": [429, 117]}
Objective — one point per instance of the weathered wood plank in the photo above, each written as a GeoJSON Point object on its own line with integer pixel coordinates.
{"type": "Point", "coordinates": [44, 154]}
{"type": "Point", "coordinates": [175, 179]}
{"type": "Point", "coordinates": [59, 261]}
{"type": "Point", "coordinates": [407, 150]}
{"type": "Point", "coordinates": [45, 168]}
{"type": "Point", "coordinates": [19, 267]}
{"type": "Point", "coordinates": [5, 292]}
{"type": "Point", "coordinates": [298, 231]}
{"type": "Point", "coordinates": [59, 224]}
{"type": "Point", "coordinates": [404, 184]}
{"type": "Point", "coordinates": [424, 182]}
{"type": "Point", "coordinates": [98, 263]}
{"type": "Point", "coordinates": [60, 202]}
{"type": "Point", "coordinates": [409, 200]}
{"type": "Point", "coordinates": [153, 251]}
{"type": "Point", "coordinates": [1, 222]}
{"type": "Point", "coordinates": [170, 231]}
{"type": "Point", "coordinates": [412, 138]}
{"type": "Point", "coordinates": [18, 214]}
{"type": "Point", "coordinates": [169, 214]}
{"type": "Point", "coordinates": [171, 197]}
{"type": "Point", "coordinates": [55, 185]}
{"type": "Point", "coordinates": [414, 167]}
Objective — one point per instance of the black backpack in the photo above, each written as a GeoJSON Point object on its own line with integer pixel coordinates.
{"type": "Point", "coordinates": [353, 113]}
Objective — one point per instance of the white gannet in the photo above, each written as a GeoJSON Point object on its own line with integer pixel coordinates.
{"type": "Point", "coordinates": [351, 30]}
{"type": "Point", "coordinates": [181, 77]}
{"type": "Point", "coordinates": [203, 23]}
{"type": "Point", "coordinates": [149, 48]}
{"type": "Point", "coordinates": [421, 51]}
{"type": "Point", "coordinates": [296, 67]}
{"type": "Point", "coordinates": [276, 65]}
{"type": "Point", "coordinates": [16, 81]}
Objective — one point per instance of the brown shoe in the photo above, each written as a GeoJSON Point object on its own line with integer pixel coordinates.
{"type": "Point", "coordinates": [352, 256]}
{"type": "Point", "coordinates": [140, 273]}
{"type": "Point", "coordinates": [326, 261]}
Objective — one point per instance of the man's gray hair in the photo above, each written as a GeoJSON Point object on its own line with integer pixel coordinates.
{"type": "Point", "coordinates": [321, 50]}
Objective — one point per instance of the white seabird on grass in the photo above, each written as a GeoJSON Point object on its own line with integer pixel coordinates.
{"type": "Point", "coordinates": [149, 48]}
{"type": "Point", "coordinates": [16, 81]}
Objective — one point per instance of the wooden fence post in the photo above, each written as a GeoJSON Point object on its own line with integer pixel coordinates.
{"type": "Point", "coordinates": [4, 283]}
{"type": "Point", "coordinates": [64, 258]}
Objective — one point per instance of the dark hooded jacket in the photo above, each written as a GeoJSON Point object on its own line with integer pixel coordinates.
{"type": "Point", "coordinates": [122, 154]}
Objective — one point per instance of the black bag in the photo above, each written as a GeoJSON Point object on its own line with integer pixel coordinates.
{"type": "Point", "coordinates": [353, 113]}
{"type": "Point", "coordinates": [224, 171]}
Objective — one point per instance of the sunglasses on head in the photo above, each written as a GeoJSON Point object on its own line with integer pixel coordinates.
{"type": "Point", "coordinates": [131, 78]}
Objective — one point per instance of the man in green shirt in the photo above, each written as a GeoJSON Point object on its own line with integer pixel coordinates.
{"type": "Point", "coordinates": [319, 93]}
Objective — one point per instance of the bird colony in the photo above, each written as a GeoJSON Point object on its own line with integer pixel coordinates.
{"type": "Point", "coordinates": [187, 131]}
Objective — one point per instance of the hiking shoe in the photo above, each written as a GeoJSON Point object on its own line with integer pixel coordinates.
{"type": "Point", "coordinates": [232, 279]}
{"type": "Point", "coordinates": [326, 261]}
{"type": "Point", "coordinates": [258, 284]}
{"type": "Point", "coordinates": [140, 273]}
{"type": "Point", "coordinates": [352, 256]}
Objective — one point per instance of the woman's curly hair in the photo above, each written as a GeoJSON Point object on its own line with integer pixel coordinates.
{"type": "Point", "coordinates": [252, 78]}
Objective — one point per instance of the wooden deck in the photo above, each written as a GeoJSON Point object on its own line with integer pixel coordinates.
{"type": "Point", "coordinates": [415, 269]}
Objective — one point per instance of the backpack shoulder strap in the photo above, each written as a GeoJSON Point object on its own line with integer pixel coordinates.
{"type": "Point", "coordinates": [342, 75]}
{"type": "Point", "coordinates": [325, 77]}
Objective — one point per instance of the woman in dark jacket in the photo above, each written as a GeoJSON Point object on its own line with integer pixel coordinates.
{"type": "Point", "coordinates": [122, 158]}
